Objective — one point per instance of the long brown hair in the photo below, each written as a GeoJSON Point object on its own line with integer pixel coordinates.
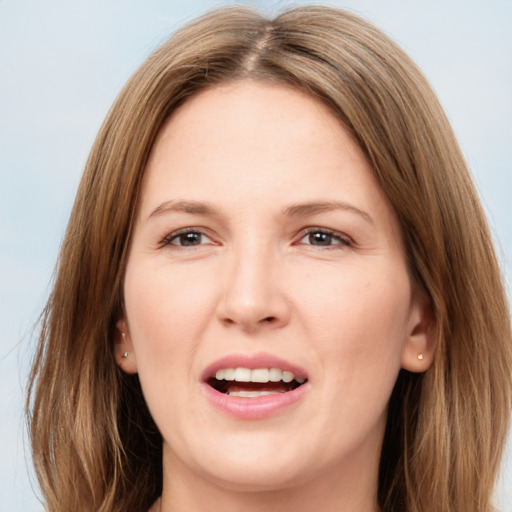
{"type": "Point", "coordinates": [95, 446]}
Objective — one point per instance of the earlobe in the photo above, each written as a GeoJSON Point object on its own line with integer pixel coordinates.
{"type": "Point", "coordinates": [123, 348]}
{"type": "Point", "coordinates": [420, 345]}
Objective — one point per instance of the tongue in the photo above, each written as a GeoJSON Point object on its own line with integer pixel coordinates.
{"type": "Point", "coordinates": [279, 387]}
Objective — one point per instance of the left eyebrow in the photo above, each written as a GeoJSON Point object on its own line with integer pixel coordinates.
{"type": "Point", "coordinates": [312, 208]}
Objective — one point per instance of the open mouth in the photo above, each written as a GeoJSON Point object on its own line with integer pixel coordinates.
{"type": "Point", "coordinates": [253, 383]}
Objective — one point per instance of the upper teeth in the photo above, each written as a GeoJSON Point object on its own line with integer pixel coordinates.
{"type": "Point", "coordinates": [257, 375]}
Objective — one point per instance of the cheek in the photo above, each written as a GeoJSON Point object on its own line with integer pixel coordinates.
{"type": "Point", "coordinates": [166, 311]}
{"type": "Point", "coordinates": [358, 319]}
{"type": "Point", "coordinates": [360, 327]}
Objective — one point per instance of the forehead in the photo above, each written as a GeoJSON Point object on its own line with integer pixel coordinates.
{"type": "Point", "coordinates": [249, 144]}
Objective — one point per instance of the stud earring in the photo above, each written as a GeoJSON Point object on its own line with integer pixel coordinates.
{"type": "Point", "coordinates": [420, 356]}
{"type": "Point", "coordinates": [124, 355]}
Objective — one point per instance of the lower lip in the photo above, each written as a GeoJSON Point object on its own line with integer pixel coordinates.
{"type": "Point", "coordinates": [253, 408]}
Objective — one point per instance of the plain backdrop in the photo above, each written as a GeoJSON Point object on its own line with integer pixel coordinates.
{"type": "Point", "coordinates": [62, 62]}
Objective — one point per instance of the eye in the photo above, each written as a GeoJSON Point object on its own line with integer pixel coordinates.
{"type": "Point", "coordinates": [324, 238]}
{"type": "Point", "coordinates": [186, 238]}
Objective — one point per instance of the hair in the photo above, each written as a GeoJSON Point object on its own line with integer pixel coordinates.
{"type": "Point", "coordinates": [94, 443]}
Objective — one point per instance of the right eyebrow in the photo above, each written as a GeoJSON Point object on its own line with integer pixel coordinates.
{"type": "Point", "coordinates": [194, 207]}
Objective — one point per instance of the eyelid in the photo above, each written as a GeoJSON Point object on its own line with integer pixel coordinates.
{"type": "Point", "coordinates": [343, 239]}
{"type": "Point", "coordinates": [168, 239]}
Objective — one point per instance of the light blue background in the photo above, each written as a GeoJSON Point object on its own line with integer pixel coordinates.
{"type": "Point", "coordinates": [62, 62]}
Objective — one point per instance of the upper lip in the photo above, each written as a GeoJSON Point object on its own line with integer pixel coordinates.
{"type": "Point", "coordinates": [252, 361]}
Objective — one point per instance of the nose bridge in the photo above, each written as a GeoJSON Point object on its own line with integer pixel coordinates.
{"type": "Point", "coordinates": [253, 295]}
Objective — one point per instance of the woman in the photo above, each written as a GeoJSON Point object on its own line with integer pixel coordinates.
{"type": "Point", "coordinates": [277, 288]}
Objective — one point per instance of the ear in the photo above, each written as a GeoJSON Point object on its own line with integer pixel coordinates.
{"type": "Point", "coordinates": [420, 346]}
{"type": "Point", "coordinates": [123, 349]}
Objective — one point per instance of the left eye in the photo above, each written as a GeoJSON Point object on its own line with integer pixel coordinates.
{"type": "Point", "coordinates": [320, 238]}
{"type": "Point", "coordinates": [187, 239]}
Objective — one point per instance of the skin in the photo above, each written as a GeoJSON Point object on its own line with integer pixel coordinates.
{"type": "Point", "coordinates": [257, 281]}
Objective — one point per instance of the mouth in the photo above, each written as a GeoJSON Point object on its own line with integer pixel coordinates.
{"type": "Point", "coordinates": [254, 382]}
{"type": "Point", "coordinates": [254, 386]}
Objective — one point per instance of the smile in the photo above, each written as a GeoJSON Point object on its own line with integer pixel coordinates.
{"type": "Point", "coordinates": [254, 383]}
{"type": "Point", "coordinates": [253, 386]}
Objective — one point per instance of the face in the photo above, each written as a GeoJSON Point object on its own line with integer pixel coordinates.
{"type": "Point", "coordinates": [268, 304]}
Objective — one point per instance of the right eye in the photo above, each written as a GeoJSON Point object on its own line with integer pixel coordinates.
{"type": "Point", "coordinates": [186, 238]}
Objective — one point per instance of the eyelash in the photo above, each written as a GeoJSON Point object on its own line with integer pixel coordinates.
{"type": "Point", "coordinates": [342, 240]}
{"type": "Point", "coordinates": [168, 240]}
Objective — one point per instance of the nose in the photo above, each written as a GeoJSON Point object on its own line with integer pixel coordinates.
{"type": "Point", "coordinates": [254, 297]}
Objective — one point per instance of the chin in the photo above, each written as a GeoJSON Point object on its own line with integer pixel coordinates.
{"type": "Point", "coordinates": [241, 477]}
{"type": "Point", "coordinates": [247, 463]}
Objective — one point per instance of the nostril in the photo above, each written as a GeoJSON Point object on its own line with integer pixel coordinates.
{"type": "Point", "coordinates": [269, 319]}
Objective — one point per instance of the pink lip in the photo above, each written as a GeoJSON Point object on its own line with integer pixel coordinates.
{"type": "Point", "coordinates": [258, 407]}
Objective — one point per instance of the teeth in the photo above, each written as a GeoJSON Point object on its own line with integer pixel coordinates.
{"type": "Point", "coordinates": [242, 375]}
{"type": "Point", "coordinates": [229, 374]}
{"type": "Point", "coordinates": [275, 374]}
{"type": "Point", "coordinates": [287, 376]}
{"type": "Point", "coordinates": [252, 394]}
{"type": "Point", "coordinates": [260, 375]}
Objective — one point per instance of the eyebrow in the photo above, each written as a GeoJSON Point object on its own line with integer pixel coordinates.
{"type": "Point", "coordinates": [312, 208]}
{"type": "Point", "coordinates": [293, 210]}
{"type": "Point", "coordinates": [194, 207]}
